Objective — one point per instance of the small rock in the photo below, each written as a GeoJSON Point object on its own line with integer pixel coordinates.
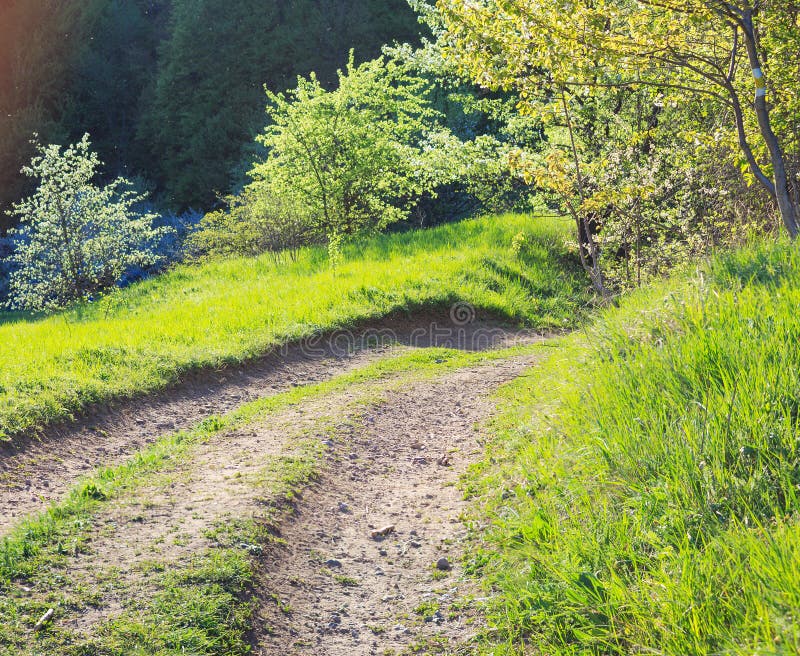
{"type": "Point", "coordinates": [44, 619]}
{"type": "Point", "coordinates": [333, 563]}
{"type": "Point", "coordinates": [353, 456]}
{"type": "Point", "coordinates": [382, 532]}
{"type": "Point", "coordinates": [443, 564]}
{"type": "Point", "coordinates": [415, 544]}
{"type": "Point", "coordinates": [379, 572]}
{"type": "Point", "coordinates": [343, 507]}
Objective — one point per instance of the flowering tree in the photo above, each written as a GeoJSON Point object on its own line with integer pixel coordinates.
{"type": "Point", "coordinates": [75, 238]}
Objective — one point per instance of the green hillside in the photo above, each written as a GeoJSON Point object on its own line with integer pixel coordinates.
{"type": "Point", "coordinates": [647, 501]}
{"type": "Point", "coordinates": [145, 337]}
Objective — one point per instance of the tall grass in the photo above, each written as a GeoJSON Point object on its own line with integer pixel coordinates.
{"type": "Point", "coordinates": [145, 337]}
{"type": "Point", "coordinates": [648, 500]}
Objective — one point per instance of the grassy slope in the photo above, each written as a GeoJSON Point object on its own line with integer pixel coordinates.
{"type": "Point", "coordinates": [647, 500]}
{"type": "Point", "coordinates": [147, 336]}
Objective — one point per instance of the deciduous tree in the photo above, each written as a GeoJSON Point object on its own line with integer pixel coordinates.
{"type": "Point", "coordinates": [75, 238]}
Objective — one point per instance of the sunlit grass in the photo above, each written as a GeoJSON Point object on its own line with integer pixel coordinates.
{"type": "Point", "coordinates": [648, 500]}
{"type": "Point", "coordinates": [145, 337]}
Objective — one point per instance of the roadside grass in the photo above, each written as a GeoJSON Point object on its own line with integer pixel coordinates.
{"type": "Point", "coordinates": [203, 607]}
{"type": "Point", "coordinates": [642, 489]}
{"type": "Point", "coordinates": [146, 337]}
{"type": "Point", "coordinates": [207, 605]}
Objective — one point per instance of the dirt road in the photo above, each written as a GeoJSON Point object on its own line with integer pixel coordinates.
{"type": "Point", "coordinates": [368, 561]}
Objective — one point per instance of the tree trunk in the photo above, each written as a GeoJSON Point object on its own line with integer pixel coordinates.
{"type": "Point", "coordinates": [782, 193]}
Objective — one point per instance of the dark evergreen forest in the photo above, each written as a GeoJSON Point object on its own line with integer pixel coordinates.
{"type": "Point", "coordinates": [171, 91]}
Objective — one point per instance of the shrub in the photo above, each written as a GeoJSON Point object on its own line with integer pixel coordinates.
{"type": "Point", "coordinates": [352, 157]}
{"type": "Point", "coordinates": [75, 238]}
{"type": "Point", "coordinates": [257, 221]}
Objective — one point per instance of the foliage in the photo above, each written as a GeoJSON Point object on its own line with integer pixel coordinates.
{"type": "Point", "coordinates": [205, 103]}
{"type": "Point", "coordinates": [40, 40]}
{"type": "Point", "coordinates": [75, 238]}
{"type": "Point", "coordinates": [482, 129]}
{"type": "Point", "coordinates": [374, 151]}
{"type": "Point", "coordinates": [643, 491]}
{"type": "Point", "coordinates": [621, 83]}
{"type": "Point", "coordinates": [259, 220]}
{"type": "Point", "coordinates": [169, 89]}
{"type": "Point", "coordinates": [227, 311]}
{"type": "Point", "coordinates": [111, 80]}
{"type": "Point", "coordinates": [353, 156]}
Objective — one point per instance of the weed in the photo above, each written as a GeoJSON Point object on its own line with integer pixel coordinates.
{"type": "Point", "coordinates": [427, 609]}
{"type": "Point", "coordinates": [347, 581]}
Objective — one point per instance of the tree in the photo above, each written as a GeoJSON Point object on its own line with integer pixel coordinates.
{"type": "Point", "coordinates": [206, 102]}
{"type": "Point", "coordinates": [40, 41]}
{"type": "Point", "coordinates": [356, 156]}
{"type": "Point", "coordinates": [109, 78]}
{"type": "Point", "coordinates": [75, 238]}
{"type": "Point", "coordinates": [714, 49]}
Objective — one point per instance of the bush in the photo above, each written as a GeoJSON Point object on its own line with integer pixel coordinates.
{"type": "Point", "coordinates": [76, 238]}
{"type": "Point", "coordinates": [354, 157]}
{"type": "Point", "coordinates": [257, 221]}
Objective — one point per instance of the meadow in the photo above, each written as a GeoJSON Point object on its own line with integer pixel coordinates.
{"type": "Point", "coordinates": [646, 500]}
{"type": "Point", "coordinates": [638, 493]}
{"type": "Point", "coordinates": [146, 337]}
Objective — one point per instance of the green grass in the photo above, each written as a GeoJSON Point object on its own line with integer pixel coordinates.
{"type": "Point", "coordinates": [645, 498]}
{"type": "Point", "coordinates": [148, 336]}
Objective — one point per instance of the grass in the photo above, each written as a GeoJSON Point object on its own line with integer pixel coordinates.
{"type": "Point", "coordinates": [145, 337]}
{"type": "Point", "coordinates": [645, 496]}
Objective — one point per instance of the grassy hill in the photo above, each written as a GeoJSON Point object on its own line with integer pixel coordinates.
{"type": "Point", "coordinates": [145, 337]}
{"type": "Point", "coordinates": [639, 496]}
{"type": "Point", "coordinates": [648, 496]}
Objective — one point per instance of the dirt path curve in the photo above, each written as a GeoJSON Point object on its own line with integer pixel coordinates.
{"type": "Point", "coordinates": [36, 471]}
{"type": "Point", "coordinates": [335, 590]}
